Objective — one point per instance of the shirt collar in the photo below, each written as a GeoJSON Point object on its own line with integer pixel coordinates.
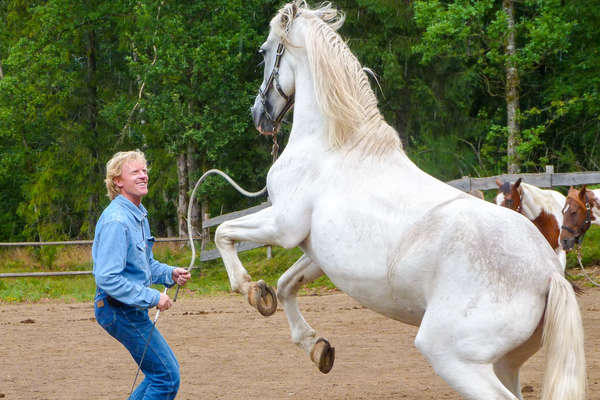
{"type": "Point", "coordinates": [139, 213]}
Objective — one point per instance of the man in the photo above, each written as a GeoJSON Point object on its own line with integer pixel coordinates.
{"type": "Point", "coordinates": [124, 269]}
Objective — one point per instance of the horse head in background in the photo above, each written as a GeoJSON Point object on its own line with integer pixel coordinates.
{"type": "Point", "coordinates": [542, 207]}
{"type": "Point", "coordinates": [509, 195]}
{"type": "Point", "coordinates": [581, 209]}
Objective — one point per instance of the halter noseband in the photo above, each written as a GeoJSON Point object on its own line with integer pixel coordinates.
{"type": "Point", "coordinates": [273, 81]}
{"type": "Point", "coordinates": [584, 227]}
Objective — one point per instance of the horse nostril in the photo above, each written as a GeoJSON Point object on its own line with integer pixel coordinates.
{"type": "Point", "coordinates": [566, 244]}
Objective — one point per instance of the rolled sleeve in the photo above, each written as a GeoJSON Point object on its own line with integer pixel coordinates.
{"type": "Point", "coordinates": [161, 273]}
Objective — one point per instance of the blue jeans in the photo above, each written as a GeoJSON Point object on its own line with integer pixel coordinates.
{"type": "Point", "coordinates": [132, 327]}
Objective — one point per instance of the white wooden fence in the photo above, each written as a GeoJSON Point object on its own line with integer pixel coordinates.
{"type": "Point", "coordinates": [466, 184]}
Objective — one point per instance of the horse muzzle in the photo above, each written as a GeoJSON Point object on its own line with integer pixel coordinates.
{"type": "Point", "coordinates": [261, 118]}
{"type": "Point", "coordinates": [568, 243]}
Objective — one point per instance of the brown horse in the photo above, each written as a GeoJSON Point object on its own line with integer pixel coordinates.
{"type": "Point", "coordinates": [542, 207]}
{"type": "Point", "coordinates": [582, 208]}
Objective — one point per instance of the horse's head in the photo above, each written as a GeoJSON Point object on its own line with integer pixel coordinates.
{"type": "Point", "coordinates": [577, 216]}
{"type": "Point", "coordinates": [509, 196]}
{"type": "Point", "coordinates": [277, 91]}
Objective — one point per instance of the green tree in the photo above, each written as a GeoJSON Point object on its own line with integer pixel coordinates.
{"type": "Point", "coordinates": [197, 61]}
{"type": "Point", "coordinates": [505, 45]}
{"type": "Point", "coordinates": [61, 66]}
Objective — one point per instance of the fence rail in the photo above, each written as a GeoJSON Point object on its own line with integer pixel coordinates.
{"type": "Point", "coordinates": [466, 184]}
{"type": "Point", "coordinates": [545, 180]}
{"type": "Point", "coordinates": [207, 255]}
{"type": "Point", "coordinates": [42, 274]}
{"type": "Point", "coordinates": [81, 242]}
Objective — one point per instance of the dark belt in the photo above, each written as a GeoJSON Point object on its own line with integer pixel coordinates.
{"type": "Point", "coordinates": [114, 302]}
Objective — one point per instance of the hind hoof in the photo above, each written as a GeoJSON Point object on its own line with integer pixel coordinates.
{"type": "Point", "coordinates": [323, 355]}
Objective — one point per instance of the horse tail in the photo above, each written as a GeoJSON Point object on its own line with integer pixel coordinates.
{"type": "Point", "coordinates": [565, 375]}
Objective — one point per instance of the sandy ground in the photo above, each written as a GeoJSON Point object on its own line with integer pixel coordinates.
{"type": "Point", "coordinates": [228, 351]}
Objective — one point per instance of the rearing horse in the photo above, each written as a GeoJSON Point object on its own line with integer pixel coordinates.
{"type": "Point", "coordinates": [542, 207]}
{"type": "Point", "coordinates": [391, 236]}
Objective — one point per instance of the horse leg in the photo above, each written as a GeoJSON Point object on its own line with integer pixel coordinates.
{"type": "Point", "coordinates": [302, 272]}
{"type": "Point", "coordinates": [463, 357]}
{"type": "Point", "coordinates": [472, 380]}
{"type": "Point", "coordinates": [260, 227]}
{"type": "Point", "coordinates": [507, 368]}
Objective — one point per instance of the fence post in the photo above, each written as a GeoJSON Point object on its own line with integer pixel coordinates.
{"type": "Point", "coordinates": [550, 171]}
{"type": "Point", "coordinates": [467, 179]}
{"type": "Point", "coordinates": [205, 233]}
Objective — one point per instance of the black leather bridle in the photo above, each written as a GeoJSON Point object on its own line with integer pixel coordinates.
{"type": "Point", "coordinates": [273, 82]}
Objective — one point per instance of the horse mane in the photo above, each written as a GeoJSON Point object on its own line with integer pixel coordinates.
{"type": "Point", "coordinates": [341, 84]}
{"type": "Point", "coordinates": [544, 198]}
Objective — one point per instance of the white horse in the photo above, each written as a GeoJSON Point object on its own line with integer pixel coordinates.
{"type": "Point", "coordinates": [543, 207]}
{"type": "Point", "coordinates": [391, 236]}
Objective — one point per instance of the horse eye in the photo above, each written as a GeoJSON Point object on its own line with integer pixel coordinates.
{"type": "Point", "coordinates": [262, 52]}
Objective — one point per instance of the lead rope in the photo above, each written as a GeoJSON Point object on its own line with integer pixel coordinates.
{"type": "Point", "coordinates": [589, 278]}
{"type": "Point", "coordinates": [274, 154]}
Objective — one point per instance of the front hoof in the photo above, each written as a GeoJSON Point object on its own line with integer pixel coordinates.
{"type": "Point", "coordinates": [263, 297]}
{"type": "Point", "coordinates": [323, 355]}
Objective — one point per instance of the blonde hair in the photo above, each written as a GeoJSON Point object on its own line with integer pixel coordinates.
{"type": "Point", "coordinates": [114, 167]}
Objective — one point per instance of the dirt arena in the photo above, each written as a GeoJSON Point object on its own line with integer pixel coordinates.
{"type": "Point", "coordinates": [228, 351]}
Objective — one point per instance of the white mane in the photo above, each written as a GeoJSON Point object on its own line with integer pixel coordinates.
{"type": "Point", "coordinates": [341, 85]}
{"type": "Point", "coordinates": [535, 199]}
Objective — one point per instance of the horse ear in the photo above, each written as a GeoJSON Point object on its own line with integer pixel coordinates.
{"type": "Point", "coordinates": [499, 183]}
{"type": "Point", "coordinates": [518, 182]}
{"type": "Point", "coordinates": [288, 13]}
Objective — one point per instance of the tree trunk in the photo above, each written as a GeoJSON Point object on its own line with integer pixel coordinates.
{"type": "Point", "coordinates": [182, 203]}
{"type": "Point", "coordinates": [92, 111]}
{"type": "Point", "coordinates": [512, 90]}
{"type": "Point", "coordinates": [1, 72]}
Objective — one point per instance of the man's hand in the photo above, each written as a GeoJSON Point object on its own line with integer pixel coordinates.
{"type": "Point", "coordinates": [164, 303]}
{"type": "Point", "coordinates": [181, 276]}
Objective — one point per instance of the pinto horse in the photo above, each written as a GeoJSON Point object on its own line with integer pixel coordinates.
{"type": "Point", "coordinates": [402, 243]}
{"type": "Point", "coordinates": [581, 209]}
{"type": "Point", "coordinates": [542, 207]}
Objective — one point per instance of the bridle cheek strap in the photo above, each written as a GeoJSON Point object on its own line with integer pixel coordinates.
{"type": "Point", "coordinates": [273, 81]}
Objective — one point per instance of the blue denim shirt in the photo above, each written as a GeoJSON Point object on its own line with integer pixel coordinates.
{"type": "Point", "coordinates": [124, 266]}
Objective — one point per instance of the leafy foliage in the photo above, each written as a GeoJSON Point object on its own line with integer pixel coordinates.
{"type": "Point", "coordinates": [82, 80]}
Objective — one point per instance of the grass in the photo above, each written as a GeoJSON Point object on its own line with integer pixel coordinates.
{"type": "Point", "coordinates": [209, 278]}
{"type": "Point", "coordinates": [590, 251]}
